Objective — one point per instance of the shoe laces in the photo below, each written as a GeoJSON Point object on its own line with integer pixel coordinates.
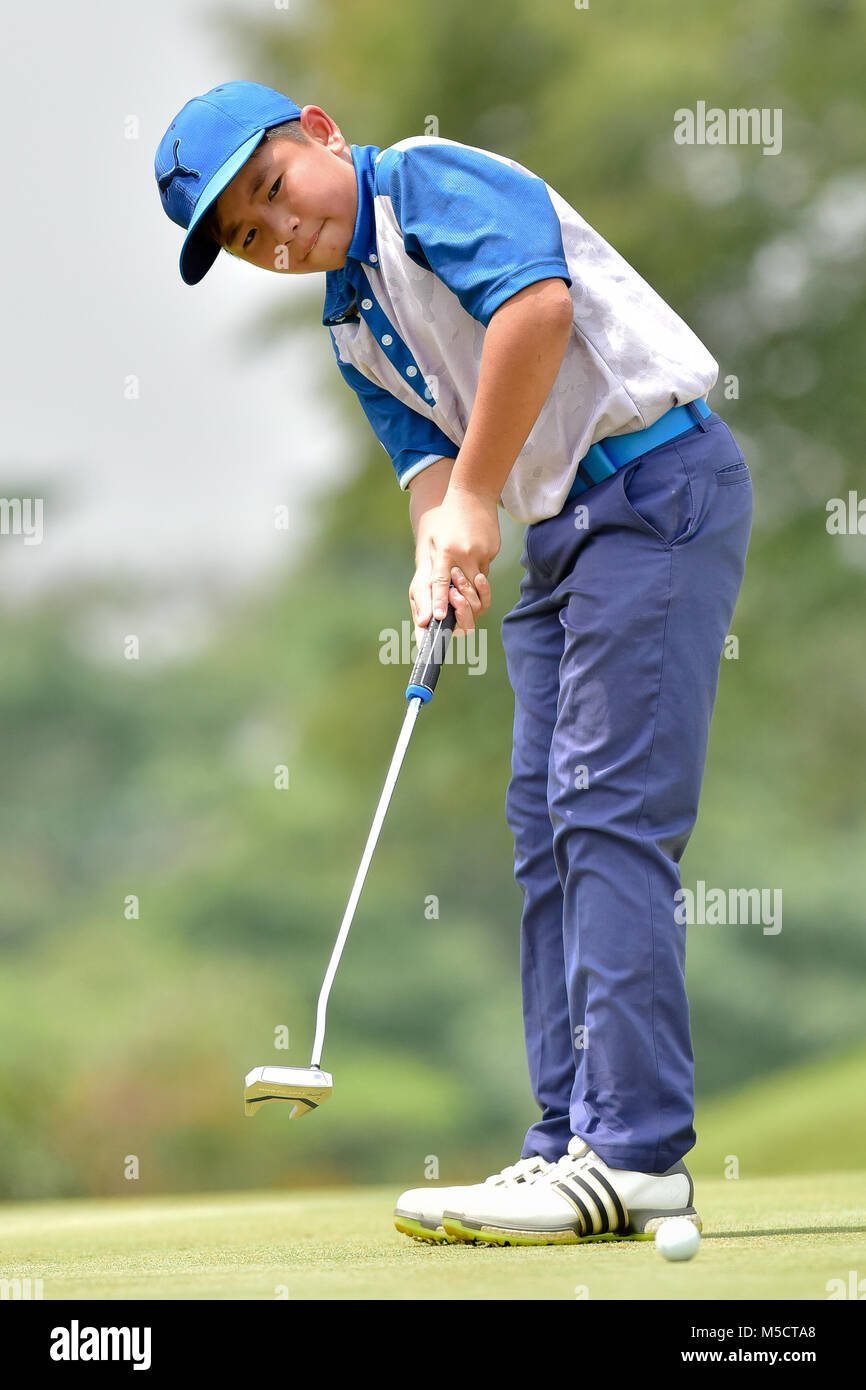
{"type": "Point", "coordinates": [524, 1170]}
{"type": "Point", "coordinates": [577, 1155]}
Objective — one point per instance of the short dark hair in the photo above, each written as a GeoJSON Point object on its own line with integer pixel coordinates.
{"type": "Point", "coordinates": [287, 130]}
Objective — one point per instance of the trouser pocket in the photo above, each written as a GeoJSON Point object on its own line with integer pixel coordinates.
{"type": "Point", "coordinates": [658, 491]}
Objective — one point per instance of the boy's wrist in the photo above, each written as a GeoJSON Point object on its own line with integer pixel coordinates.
{"type": "Point", "coordinates": [427, 490]}
{"type": "Point", "coordinates": [475, 489]}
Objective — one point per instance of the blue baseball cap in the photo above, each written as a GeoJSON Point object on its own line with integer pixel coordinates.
{"type": "Point", "coordinates": [204, 147]}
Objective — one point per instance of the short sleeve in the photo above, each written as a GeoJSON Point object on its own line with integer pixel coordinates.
{"type": "Point", "coordinates": [411, 441]}
{"type": "Point", "coordinates": [485, 228]}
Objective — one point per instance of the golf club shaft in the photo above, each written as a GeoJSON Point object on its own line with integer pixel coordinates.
{"type": "Point", "coordinates": [372, 838]}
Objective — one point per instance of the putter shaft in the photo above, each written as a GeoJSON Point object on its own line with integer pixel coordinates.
{"type": "Point", "coordinates": [372, 838]}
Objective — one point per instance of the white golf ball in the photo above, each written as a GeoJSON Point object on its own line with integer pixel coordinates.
{"type": "Point", "coordinates": [678, 1239]}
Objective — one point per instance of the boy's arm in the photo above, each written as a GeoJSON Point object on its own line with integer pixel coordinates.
{"type": "Point", "coordinates": [426, 493]}
{"type": "Point", "coordinates": [523, 350]}
{"type": "Point", "coordinates": [427, 490]}
{"type": "Point", "coordinates": [422, 459]}
{"type": "Point", "coordinates": [490, 231]}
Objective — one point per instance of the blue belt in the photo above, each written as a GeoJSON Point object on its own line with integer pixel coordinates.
{"type": "Point", "coordinates": [609, 455]}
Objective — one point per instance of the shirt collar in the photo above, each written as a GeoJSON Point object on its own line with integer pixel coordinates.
{"type": "Point", "coordinates": [341, 285]}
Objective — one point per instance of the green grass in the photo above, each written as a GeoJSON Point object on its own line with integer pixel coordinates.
{"type": "Point", "coordinates": [790, 1222]}
{"type": "Point", "coordinates": [805, 1119]}
{"type": "Point", "coordinates": [764, 1238]}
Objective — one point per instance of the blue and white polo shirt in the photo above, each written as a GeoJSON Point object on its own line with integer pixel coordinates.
{"type": "Point", "coordinates": [444, 234]}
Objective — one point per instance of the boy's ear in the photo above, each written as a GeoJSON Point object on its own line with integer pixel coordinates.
{"type": "Point", "coordinates": [319, 126]}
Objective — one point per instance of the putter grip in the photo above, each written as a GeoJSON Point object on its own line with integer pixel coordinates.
{"type": "Point", "coordinates": [425, 672]}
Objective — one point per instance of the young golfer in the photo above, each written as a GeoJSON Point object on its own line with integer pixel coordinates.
{"type": "Point", "coordinates": [506, 355]}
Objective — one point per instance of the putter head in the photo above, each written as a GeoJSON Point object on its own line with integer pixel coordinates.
{"type": "Point", "coordinates": [306, 1087]}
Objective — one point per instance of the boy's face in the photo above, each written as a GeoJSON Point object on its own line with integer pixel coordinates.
{"type": "Point", "coordinates": [292, 207]}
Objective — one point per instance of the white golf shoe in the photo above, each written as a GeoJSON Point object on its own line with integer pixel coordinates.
{"type": "Point", "coordinates": [418, 1212]}
{"type": "Point", "coordinates": [579, 1198]}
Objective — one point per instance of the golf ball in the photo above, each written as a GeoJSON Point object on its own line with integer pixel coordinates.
{"type": "Point", "coordinates": [678, 1239]}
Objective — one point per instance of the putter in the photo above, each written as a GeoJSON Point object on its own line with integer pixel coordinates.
{"type": "Point", "coordinates": [309, 1087]}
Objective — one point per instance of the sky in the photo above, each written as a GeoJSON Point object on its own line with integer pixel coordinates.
{"type": "Point", "coordinates": [179, 484]}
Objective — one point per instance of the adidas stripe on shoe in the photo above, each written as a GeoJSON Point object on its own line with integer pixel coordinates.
{"type": "Point", "coordinates": [578, 1199]}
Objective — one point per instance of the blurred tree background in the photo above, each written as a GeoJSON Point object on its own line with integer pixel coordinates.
{"type": "Point", "coordinates": [132, 1036]}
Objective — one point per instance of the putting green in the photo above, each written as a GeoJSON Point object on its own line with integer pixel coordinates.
{"type": "Point", "coordinates": [764, 1238]}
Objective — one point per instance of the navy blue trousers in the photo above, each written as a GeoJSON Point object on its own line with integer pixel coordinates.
{"type": "Point", "coordinates": [613, 653]}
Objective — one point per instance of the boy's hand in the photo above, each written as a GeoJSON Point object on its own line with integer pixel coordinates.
{"type": "Point", "coordinates": [457, 542]}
